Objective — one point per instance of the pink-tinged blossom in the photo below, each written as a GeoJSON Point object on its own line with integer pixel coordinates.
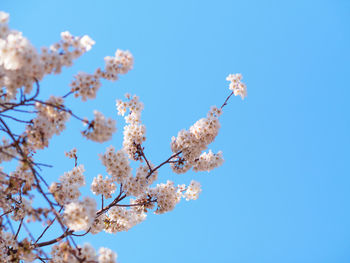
{"type": "Point", "coordinates": [100, 129]}
{"type": "Point", "coordinates": [80, 215]}
{"type": "Point", "coordinates": [236, 85]}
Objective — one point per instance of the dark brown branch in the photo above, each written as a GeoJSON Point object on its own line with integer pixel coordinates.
{"type": "Point", "coordinates": [41, 235]}
{"type": "Point", "coordinates": [19, 228]}
{"type": "Point", "coordinates": [55, 240]}
{"type": "Point", "coordinates": [160, 165]}
{"type": "Point", "coordinates": [225, 103]}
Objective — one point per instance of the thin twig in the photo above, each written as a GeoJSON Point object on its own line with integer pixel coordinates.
{"type": "Point", "coordinates": [19, 228]}
{"type": "Point", "coordinates": [48, 226]}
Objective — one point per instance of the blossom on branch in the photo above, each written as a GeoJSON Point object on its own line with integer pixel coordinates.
{"type": "Point", "coordinates": [125, 197]}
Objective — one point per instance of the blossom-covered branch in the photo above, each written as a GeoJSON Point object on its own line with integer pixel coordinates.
{"type": "Point", "coordinates": [28, 122]}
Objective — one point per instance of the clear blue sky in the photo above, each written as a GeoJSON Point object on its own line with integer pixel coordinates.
{"type": "Point", "coordinates": [282, 195]}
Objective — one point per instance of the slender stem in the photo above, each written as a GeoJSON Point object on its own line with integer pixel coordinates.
{"type": "Point", "coordinates": [225, 103]}
{"type": "Point", "coordinates": [160, 165]}
{"type": "Point", "coordinates": [19, 228]}
{"type": "Point", "coordinates": [48, 226]}
{"type": "Point", "coordinates": [6, 213]}
{"type": "Point", "coordinates": [55, 240]}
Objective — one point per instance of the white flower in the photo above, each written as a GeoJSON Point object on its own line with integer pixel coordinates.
{"type": "Point", "coordinates": [86, 42]}
{"type": "Point", "coordinates": [117, 164]}
{"type": "Point", "coordinates": [167, 197]}
{"type": "Point", "coordinates": [68, 189]}
{"type": "Point", "coordinates": [86, 85]}
{"type": "Point", "coordinates": [4, 17]}
{"type": "Point", "coordinates": [121, 63]}
{"type": "Point", "coordinates": [80, 215]}
{"type": "Point", "coordinates": [106, 255]}
{"type": "Point", "coordinates": [236, 85]}
{"type": "Point", "coordinates": [208, 161]}
{"type": "Point", "coordinates": [121, 219]}
{"type": "Point", "coordinates": [100, 129]}
{"type": "Point", "coordinates": [104, 187]}
{"type": "Point", "coordinates": [72, 153]}
{"type": "Point", "coordinates": [193, 190]}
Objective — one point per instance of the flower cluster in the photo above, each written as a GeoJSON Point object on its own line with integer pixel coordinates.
{"type": "Point", "coordinates": [50, 120]}
{"type": "Point", "coordinates": [68, 189]}
{"type": "Point", "coordinates": [193, 191]}
{"type": "Point", "coordinates": [122, 219]}
{"type": "Point", "coordinates": [121, 63]}
{"type": "Point", "coordinates": [167, 197]}
{"type": "Point", "coordinates": [134, 132]}
{"type": "Point", "coordinates": [117, 164]}
{"type": "Point", "coordinates": [86, 85]}
{"type": "Point", "coordinates": [13, 251]}
{"type": "Point", "coordinates": [21, 64]}
{"type": "Point", "coordinates": [236, 85]}
{"type": "Point", "coordinates": [138, 185]}
{"type": "Point", "coordinates": [62, 252]}
{"type": "Point", "coordinates": [7, 241]}
{"type": "Point", "coordinates": [7, 151]}
{"type": "Point", "coordinates": [100, 129]}
{"type": "Point", "coordinates": [72, 153]}
{"type": "Point", "coordinates": [208, 161]}
{"type": "Point", "coordinates": [105, 187]}
{"type": "Point", "coordinates": [21, 209]}
{"type": "Point", "coordinates": [192, 142]}
{"type": "Point", "coordinates": [80, 215]}
{"type": "Point", "coordinates": [106, 255]}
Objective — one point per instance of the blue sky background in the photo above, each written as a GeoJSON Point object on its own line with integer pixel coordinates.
{"type": "Point", "coordinates": [282, 194]}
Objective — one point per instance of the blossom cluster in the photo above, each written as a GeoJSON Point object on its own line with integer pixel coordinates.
{"type": "Point", "coordinates": [236, 85]}
{"type": "Point", "coordinates": [134, 132]}
{"type": "Point", "coordinates": [208, 161]}
{"type": "Point", "coordinates": [72, 153]}
{"type": "Point", "coordinates": [7, 152]}
{"type": "Point", "coordinates": [21, 65]}
{"type": "Point", "coordinates": [117, 164]}
{"type": "Point", "coordinates": [100, 129]}
{"type": "Point", "coordinates": [62, 253]}
{"type": "Point", "coordinates": [105, 187]}
{"type": "Point", "coordinates": [86, 85]}
{"type": "Point", "coordinates": [122, 219]}
{"type": "Point", "coordinates": [80, 215]}
{"type": "Point", "coordinates": [50, 120]}
{"type": "Point", "coordinates": [192, 142]}
{"type": "Point", "coordinates": [13, 251]}
{"type": "Point", "coordinates": [193, 190]}
{"type": "Point", "coordinates": [67, 190]}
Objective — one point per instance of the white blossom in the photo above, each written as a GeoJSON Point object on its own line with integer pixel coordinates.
{"type": "Point", "coordinates": [167, 197]}
{"type": "Point", "coordinates": [51, 119]}
{"type": "Point", "coordinates": [134, 132]}
{"type": "Point", "coordinates": [100, 129]}
{"type": "Point", "coordinates": [192, 142]}
{"type": "Point", "coordinates": [122, 219]}
{"type": "Point", "coordinates": [68, 189]}
{"type": "Point", "coordinates": [106, 255]}
{"type": "Point", "coordinates": [80, 215]}
{"type": "Point", "coordinates": [208, 161]}
{"type": "Point", "coordinates": [72, 153]}
{"type": "Point", "coordinates": [236, 85]}
{"type": "Point", "coordinates": [86, 85]}
{"type": "Point", "coordinates": [121, 63]}
{"type": "Point", "coordinates": [193, 191]}
{"type": "Point", "coordinates": [105, 187]}
{"type": "Point", "coordinates": [117, 164]}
